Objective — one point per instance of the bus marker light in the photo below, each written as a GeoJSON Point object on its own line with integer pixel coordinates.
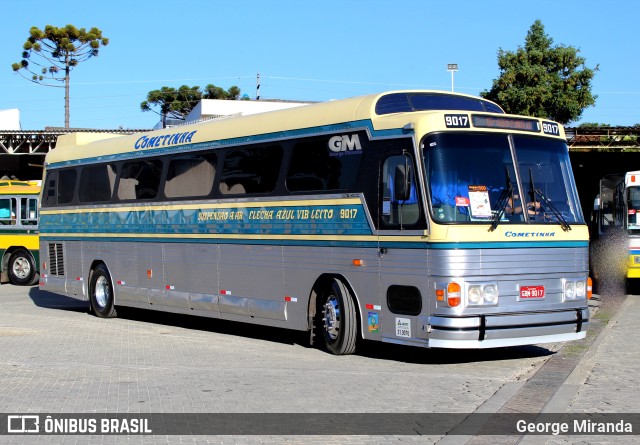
{"type": "Point", "coordinates": [589, 288]}
{"type": "Point", "coordinates": [358, 262]}
{"type": "Point", "coordinates": [169, 287]}
{"type": "Point", "coordinates": [149, 273]}
{"type": "Point", "coordinates": [291, 299]}
{"type": "Point", "coordinates": [440, 294]}
{"type": "Point", "coordinates": [78, 278]}
{"type": "Point", "coordinates": [120, 282]}
{"type": "Point", "coordinates": [373, 307]}
{"type": "Point", "coordinates": [454, 294]}
{"type": "Point", "coordinates": [44, 266]}
{"type": "Point", "coordinates": [225, 292]}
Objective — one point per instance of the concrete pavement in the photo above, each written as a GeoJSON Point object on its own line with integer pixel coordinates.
{"type": "Point", "coordinates": [57, 358]}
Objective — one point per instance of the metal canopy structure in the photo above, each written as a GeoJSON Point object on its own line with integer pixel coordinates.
{"type": "Point", "coordinates": [603, 139]}
{"type": "Point", "coordinates": [22, 152]}
{"type": "Point", "coordinates": [27, 142]}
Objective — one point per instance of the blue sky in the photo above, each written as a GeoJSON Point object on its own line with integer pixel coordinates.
{"type": "Point", "coordinates": [305, 50]}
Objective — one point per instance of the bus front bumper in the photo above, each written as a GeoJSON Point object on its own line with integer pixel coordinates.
{"type": "Point", "coordinates": [500, 330]}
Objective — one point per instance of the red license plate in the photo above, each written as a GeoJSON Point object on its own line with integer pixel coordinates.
{"type": "Point", "coordinates": [531, 292]}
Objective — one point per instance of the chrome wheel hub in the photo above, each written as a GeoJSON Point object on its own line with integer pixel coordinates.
{"type": "Point", "coordinates": [21, 268]}
{"type": "Point", "coordinates": [102, 291]}
{"type": "Point", "coordinates": [331, 313]}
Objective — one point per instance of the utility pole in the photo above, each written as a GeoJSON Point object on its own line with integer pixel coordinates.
{"type": "Point", "coordinates": [258, 87]}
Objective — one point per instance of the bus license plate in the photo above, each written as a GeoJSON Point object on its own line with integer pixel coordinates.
{"type": "Point", "coordinates": [531, 292]}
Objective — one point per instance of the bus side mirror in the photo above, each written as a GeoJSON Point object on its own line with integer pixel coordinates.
{"type": "Point", "coordinates": [402, 182]}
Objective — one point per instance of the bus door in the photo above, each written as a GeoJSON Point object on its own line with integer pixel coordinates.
{"type": "Point", "coordinates": [605, 208]}
{"type": "Point", "coordinates": [403, 273]}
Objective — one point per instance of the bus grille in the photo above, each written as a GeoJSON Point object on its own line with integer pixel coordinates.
{"type": "Point", "coordinates": [56, 259]}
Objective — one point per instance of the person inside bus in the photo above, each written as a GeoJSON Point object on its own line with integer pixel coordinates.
{"type": "Point", "coordinates": [514, 207]}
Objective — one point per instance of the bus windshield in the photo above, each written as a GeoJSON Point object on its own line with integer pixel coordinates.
{"type": "Point", "coordinates": [633, 210]}
{"type": "Point", "coordinates": [472, 178]}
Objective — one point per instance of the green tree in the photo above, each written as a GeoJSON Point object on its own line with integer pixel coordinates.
{"type": "Point", "coordinates": [178, 103]}
{"type": "Point", "coordinates": [214, 92]}
{"type": "Point", "coordinates": [543, 80]}
{"type": "Point", "coordinates": [171, 102]}
{"type": "Point", "coordinates": [59, 51]}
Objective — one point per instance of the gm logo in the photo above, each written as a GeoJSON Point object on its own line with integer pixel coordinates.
{"type": "Point", "coordinates": [345, 143]}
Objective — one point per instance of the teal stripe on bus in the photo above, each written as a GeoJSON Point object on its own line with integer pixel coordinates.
{"type": "Point", "coordinates": [329, 243]}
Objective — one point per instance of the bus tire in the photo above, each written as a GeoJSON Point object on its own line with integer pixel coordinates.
{"type": "Point", "coordinates": [101, 293]}
{"type": "Point", "coordinates": [22, 268]}
{"type": "Point", "coordinates": [338, 318]}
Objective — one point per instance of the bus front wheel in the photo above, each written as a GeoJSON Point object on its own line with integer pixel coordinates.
{"type": "Point", "coordinates": [338, 319]}
{"type": "Point", "coordinates": [22, 269]}
{"type": "Point", "coordinates": [101, 293]}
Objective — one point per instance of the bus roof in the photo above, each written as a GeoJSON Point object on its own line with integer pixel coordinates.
{"type": "Point", "coordinates": [382, 111]}
{"type": "Point", "coordinates": [632, 178]}
{"type": "Point", "coordinates": [11, 187]}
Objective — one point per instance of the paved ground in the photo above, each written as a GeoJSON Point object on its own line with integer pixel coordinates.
{"type": "Point", "coordinates": [57, 358]}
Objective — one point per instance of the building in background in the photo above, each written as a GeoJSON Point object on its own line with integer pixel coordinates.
{"type": "Point", "coordinates": [218, 108]}
{"type": "Point", "coordinates": [10, 119]}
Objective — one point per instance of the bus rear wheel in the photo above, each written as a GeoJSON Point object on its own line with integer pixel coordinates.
{"type": "Point", "coordinates": [338, 319]}
{"type": "Point", "coordinates": [22, 268]}
{"type": "Point", "coordinates": [101, 293]}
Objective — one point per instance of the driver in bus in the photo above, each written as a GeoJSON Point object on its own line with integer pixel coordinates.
{"type": "Point", "coordinates": [514, 206]}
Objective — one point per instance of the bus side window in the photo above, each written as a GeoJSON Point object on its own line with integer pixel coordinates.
{"type": "Point", "coordinates": [139, 179]}
{"type": "Point", "coordinates": [314, 167]}
{"type": "Point", "coordinates": [190, 176]}
{"type": "Point", "coordinates": [96, 183]}
{"type": "Point", "coordinates": [8, 211]}
{"type": "Point", "coordinates": [49, 193]}
{"type": "Point", "coordinates": [29, 211]}
{"type": "Point", "coordinates": [66, 185]}
{"type": "Point", "coordinates": [250, 170]}
{"type": "Point", "coordinates": [397, 210]}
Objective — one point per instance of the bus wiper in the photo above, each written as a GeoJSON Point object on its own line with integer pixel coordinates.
{"type": "Point", "coordinates": [563, 222]}
{"type": "Point", "coordinates": [533, 192]}
{"type": "Point", "coordinates": [507, 193]}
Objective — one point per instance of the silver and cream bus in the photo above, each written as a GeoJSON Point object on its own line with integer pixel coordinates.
{"type": "Point", "coordinates": [414, 217]}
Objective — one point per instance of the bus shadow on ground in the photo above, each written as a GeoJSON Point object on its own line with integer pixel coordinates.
{"type": "Point", "coordinates": [369, 349]}
{"type": "Point", "coordinates": [49, 300]}
{"type": "Point", "coordinates": [438, 356]}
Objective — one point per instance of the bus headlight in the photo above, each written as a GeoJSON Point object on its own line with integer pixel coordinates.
{"type": "Point", "coordinates": [570, 290]}
{"type": "Point", "coordinates": [474, 294]}
{"type": "Point", "coordinates": [491, 293]}
{"type": "Point", "coordinates": [581, 289]}
{"type": "Point", "coordinates": [482, 294]}
{"type": "Point", "coordinates": [575, 289]}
